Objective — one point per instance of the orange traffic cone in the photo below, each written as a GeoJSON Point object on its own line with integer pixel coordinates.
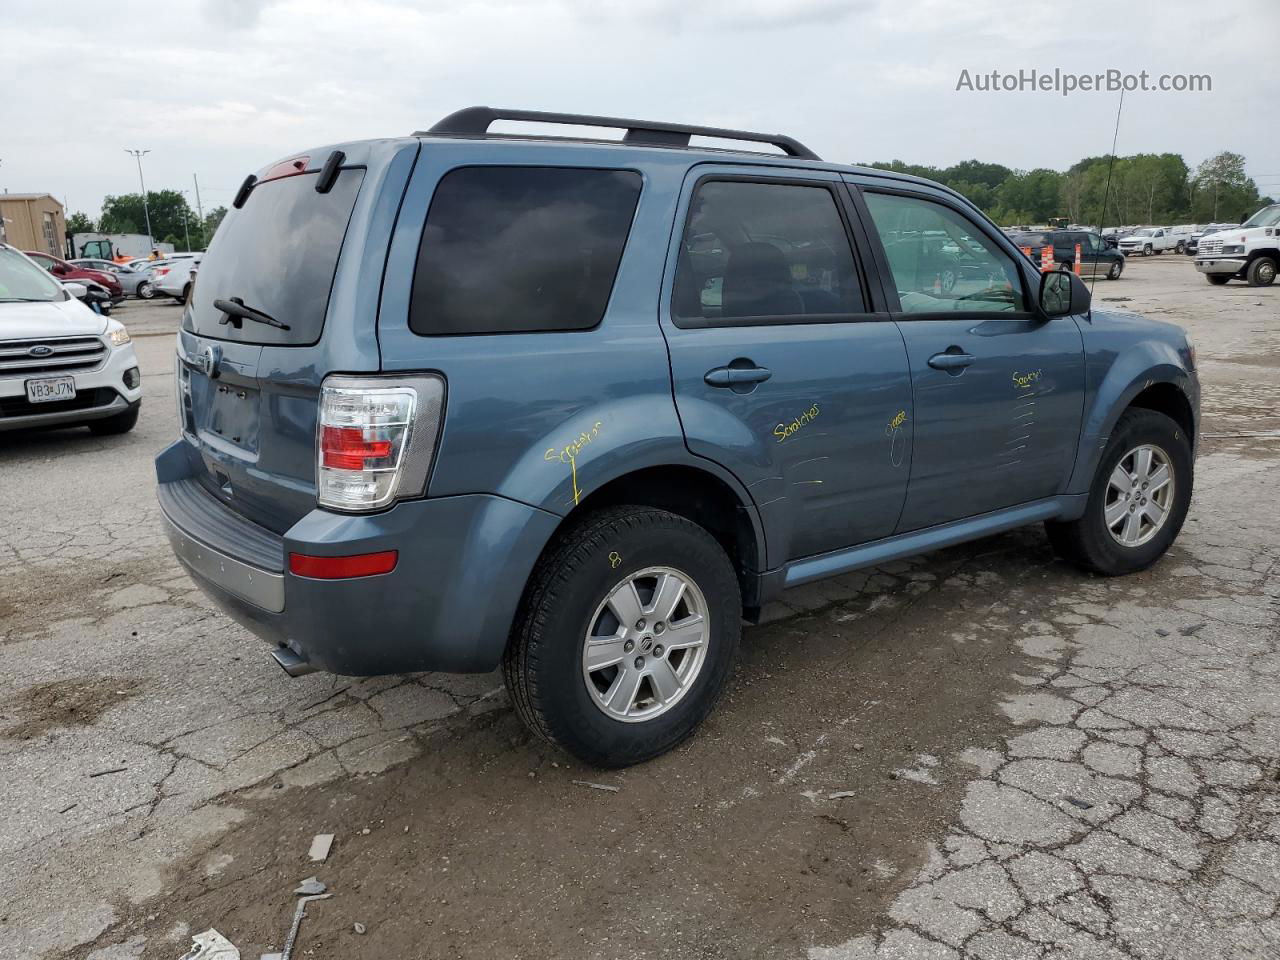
{"type": "Point", "coordinates": [1077, 259]}
{"type": "Point", "coordinates": [1046, 258]}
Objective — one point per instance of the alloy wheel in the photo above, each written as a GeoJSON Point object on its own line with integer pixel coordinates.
{"type": "Point", "coordinates": [1139, 495]}
{"type": "Point", "coordinates": [646, 644]}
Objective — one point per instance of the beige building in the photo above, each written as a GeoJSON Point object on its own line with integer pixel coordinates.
{"type": "Point", "coordinates": [33, 221]}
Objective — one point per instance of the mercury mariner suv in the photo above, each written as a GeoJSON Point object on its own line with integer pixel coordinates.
{"type": "Point", "coordinates": [61, 364]}
{"type": "Point", "coordinates": [578, 408]}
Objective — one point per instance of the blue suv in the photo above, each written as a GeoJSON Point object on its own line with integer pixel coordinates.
{"type": "Point", "coordinates": [578, 408]}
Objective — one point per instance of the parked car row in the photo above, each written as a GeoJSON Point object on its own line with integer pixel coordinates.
{"type": "Point", "coordinates": [1097, 257]}
{"type": "Point", "coordinates": [107, 283]}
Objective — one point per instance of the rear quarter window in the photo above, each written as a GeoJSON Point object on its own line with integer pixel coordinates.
{"type": "Point", "coordinates": [521, 249]}
{"type": "Point", "coordinates": [276, 254]}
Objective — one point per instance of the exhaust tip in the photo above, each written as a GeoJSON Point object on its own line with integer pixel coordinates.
{"type": "Point", "coordinates": [291, 663]}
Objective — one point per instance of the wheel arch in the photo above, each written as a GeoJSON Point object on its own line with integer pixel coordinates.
{"type": "Point", "coordinates": [1152, 378]}
{"type": "Point", "coordinates": [699, 492]}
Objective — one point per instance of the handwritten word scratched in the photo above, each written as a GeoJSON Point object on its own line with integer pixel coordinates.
{"type": "Point", "coordinates": [784, 430]}
{"type": "Point", "coordinates": [569, 454]}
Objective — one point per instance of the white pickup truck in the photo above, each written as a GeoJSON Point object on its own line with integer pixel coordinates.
{"type": "Point", "coordinates": [1150, 240]}
{"type": "Point", "coordinates": [1248, 252]}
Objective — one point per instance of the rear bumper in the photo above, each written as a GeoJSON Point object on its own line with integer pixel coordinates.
{"type": "Point", "coordinates": [448, 605]}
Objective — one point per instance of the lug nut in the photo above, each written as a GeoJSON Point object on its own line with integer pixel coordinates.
{"type": "Point", "coordinates": [657, 651]}
{"type": "Point", "coordinates": [628, 646]}
{"type": "Point", "coordinates": [659, 627]}
{"type": "Point", "coordinates": [640, 624]}
{"type": "Point", "coordinates": [639, 662]}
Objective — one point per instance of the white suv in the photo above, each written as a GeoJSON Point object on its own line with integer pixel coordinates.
{"type": "Point", "coordinates": [61, 364]}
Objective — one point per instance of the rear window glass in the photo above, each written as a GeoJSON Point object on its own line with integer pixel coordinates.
{"type": "Point", "coordinates": [277, 254]}
{"type": "Point", "coordinates": [521, 249]}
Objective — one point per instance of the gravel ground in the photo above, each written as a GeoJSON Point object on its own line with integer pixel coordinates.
{"type": "Point", "coordinates": [1030, 762]}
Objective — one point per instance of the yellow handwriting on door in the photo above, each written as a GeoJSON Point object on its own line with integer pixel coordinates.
{"type": "Point", "coordinates": [569, 454]}
{"type": "Point", "coordinates": [784, 430]}
{"type": "Point", "coordinates": [1024, 380]}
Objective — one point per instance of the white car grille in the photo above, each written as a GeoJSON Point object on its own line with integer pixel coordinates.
{"type": "Point", "coordinates": [1210, 248]}
{"type": "Point", "coordinates": [27, 358]}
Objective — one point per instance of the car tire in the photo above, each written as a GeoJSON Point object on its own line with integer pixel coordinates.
{"type": "Point", "coordinates": [1217, 279]}
{"type": "Point", "coordinates": [1261, 272]}
{"type": "Point", "coordinates": [1146, 251]}
{"type": "Point", "coordinates": [120, 423]}
{"type": "Point", "coordinates": [571, 597]}
{"type": "Point", "coordinates": [145, 290]}
{"type": "Point", "coordinates": [1115, 270]}
{"type": "Point", "coordinates": [1180, 248]}
{"type": "Point", "coordinates": [1098, 546]}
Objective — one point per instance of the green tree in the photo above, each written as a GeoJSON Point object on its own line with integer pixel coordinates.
{"type": "Point", "coordinates": [79, 223]}
{"type": "Point", "coordinates": [1222, 190]}
{"type": "Point", "coordinates": [211, 221]}
{"type": "Point", "coordinates": [169, 212]}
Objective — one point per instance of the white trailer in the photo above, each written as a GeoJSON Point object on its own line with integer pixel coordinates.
{"type": "Point", "coordinates": [110, 246]}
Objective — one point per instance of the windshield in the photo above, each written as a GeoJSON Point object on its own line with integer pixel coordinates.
{"type": "Point", "coordinates": [1266, 217]}
{"type": "Point", "coordinates": [20, 280]}
{"type": "Point", "coordinates": [1143, 233]}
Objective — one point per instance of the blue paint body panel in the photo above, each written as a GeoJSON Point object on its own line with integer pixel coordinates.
{"type": "Point", "coordinates": [892, 457]}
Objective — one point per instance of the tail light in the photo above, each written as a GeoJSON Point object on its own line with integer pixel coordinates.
{"type": "Point", "coordinates": [375, 439]}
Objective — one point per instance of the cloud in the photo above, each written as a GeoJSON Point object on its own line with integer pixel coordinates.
{"type": "Point", "coordinates": [236, 14]}
{"type": "Point", "coordinates": [731, 14]}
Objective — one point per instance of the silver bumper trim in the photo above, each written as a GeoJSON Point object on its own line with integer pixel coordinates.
{"type": "Point", "coordinates": [262, 588]}
{"type": "Point", "coordinates": [1220, 265]}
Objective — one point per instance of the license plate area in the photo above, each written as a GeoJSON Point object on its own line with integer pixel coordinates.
{"type": "Point", "coordinates": [226, 412]}
{"type": "Point", "coordinates": [51, 389]}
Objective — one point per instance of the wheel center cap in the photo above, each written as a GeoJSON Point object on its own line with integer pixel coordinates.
{"type": "Point", "coordinates": [646, 644]}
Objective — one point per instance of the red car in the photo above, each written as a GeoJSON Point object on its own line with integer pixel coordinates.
{"type": "Point", "coordinates": [70, 272]}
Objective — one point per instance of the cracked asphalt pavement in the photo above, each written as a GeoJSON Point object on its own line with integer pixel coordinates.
{"type": "Point", "coordinates": [979, 753]}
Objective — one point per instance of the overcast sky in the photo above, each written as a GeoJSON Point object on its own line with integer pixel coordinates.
{"type": "Point", "coordinates": [221, 87]}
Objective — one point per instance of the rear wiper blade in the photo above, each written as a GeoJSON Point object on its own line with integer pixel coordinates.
{"type": "Point", "coordinates": [237, 312]}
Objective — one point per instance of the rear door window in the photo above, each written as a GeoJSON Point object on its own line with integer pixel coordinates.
{"type": "Point", "coordinates": [277, 255]}
{"type": "Point", "coordinates": [521, 249]}
{"type": "Point", "coordinates": [757, 252]}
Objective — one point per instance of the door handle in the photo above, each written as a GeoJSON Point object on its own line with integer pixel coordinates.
{"type": "Point", "coordinates": [733, 376]}
{"type": "Point", "coordinates": [951, 361]}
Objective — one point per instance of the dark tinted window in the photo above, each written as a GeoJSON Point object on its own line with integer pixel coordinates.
{"type": "Point", "coordinates": [1030, 239]}
{"type": "Point", "coordinates": [774, 250]}
{"type": "Point", "coordinates": [277, 254]}
{"type": "Point", "coordinates": [516, 249]}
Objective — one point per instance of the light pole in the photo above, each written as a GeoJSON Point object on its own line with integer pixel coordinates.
{"type": "Point", "coordinates": [146, 212]}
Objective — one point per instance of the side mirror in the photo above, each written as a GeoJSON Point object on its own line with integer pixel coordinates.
{"type": "Point", "coordinates": [77, 290]}
{"type": "Point", "coordinates": [1062, 294]}
{"type": "Point", "coordinates": [59, 269]}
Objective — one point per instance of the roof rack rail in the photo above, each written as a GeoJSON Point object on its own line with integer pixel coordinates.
{"type": "Point", "coordinates": [475, 122]}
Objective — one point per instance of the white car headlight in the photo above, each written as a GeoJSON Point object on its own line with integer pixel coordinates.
{"type": "Point", "coordinates": [117, 334]}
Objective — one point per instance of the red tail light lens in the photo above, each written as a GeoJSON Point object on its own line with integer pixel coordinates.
{"type": "Point", "coordinates": [346, 448]}
{"type": "Point", "coordinates": [343, 568]}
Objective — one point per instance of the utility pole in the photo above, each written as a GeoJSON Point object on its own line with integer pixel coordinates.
{"type": "Point", "coordinates": [185, 228]}
{"type": "Point", "coordinates": [146, 211]}
{"type": "Point", "coordinates": [204, 241]}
